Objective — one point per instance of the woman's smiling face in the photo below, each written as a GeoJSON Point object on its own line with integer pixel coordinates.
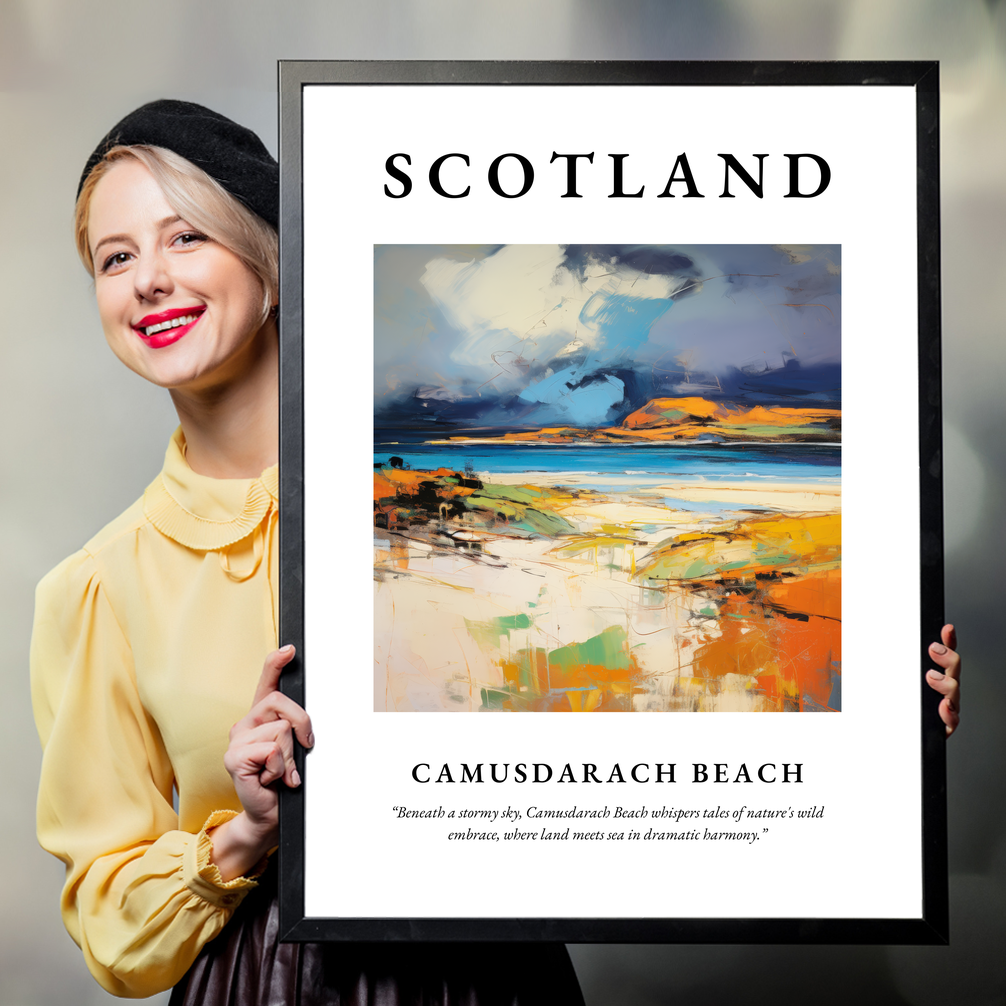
{"type": "Point", "coordinates": [177, 308]}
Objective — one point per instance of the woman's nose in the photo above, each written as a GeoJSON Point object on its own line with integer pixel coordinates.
{"type": "Point", "coordinates": [152, 277]}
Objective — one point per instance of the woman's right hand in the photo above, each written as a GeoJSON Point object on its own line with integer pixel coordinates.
{"type": "Point", "coordinates": [948, 681]}
{"type": "Point", "coordinates": [260, 753]}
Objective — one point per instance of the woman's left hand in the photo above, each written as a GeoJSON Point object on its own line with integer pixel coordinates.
{"type": "Point", "coordinates": [948, 681]}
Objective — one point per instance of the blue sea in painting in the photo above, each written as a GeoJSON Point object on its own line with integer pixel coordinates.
{"type": "Point", "coordinates": [606, 467]}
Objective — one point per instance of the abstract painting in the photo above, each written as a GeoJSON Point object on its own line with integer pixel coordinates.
{"type": "Point", "coordinates": [607, 478]}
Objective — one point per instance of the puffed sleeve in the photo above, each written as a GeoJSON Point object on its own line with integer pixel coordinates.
{"type": "Point", "coordinates": [141, 898]}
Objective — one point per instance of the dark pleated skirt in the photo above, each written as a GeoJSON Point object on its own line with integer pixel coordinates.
{"type": "Point", "coordinates": [246, 965]}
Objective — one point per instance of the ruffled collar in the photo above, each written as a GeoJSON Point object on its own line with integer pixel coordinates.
{"type": "Point", "coordinates": [203, 513]}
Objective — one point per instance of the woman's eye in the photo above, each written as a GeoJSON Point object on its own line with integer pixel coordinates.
{"type": "Point", "coordinates": [190, 238]}
{"type": "Point", "coordinates": [114, 261]}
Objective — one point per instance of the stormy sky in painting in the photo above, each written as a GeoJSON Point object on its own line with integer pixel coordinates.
{"type": "Point", "coordinates": [509, 336]}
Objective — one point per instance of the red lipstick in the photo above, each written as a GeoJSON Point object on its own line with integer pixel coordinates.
{"type": "Point", "coordinates": [166, 327]}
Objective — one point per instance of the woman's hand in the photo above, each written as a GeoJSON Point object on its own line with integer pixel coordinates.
{"type": "Point", "coordinates": [260, 753]}
{"type": "Point", "coordinates": [948, 681]}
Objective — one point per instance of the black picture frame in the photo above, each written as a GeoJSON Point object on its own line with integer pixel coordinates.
{"type": "Point", "coordinates": [931, 927]}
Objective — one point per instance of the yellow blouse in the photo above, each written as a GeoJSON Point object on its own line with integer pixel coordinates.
{"type": "Point", "coordinates": [147, 647]}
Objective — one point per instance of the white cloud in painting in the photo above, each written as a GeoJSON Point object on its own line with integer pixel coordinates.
{"type": "Point", "coordinates": [522, 301]}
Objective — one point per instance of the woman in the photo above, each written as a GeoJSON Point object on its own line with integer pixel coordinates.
{"type": "Point", "coordinates": [148, 643]}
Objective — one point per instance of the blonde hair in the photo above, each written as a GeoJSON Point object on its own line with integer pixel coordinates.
{"type": "Point", "coordinates": [199, 200]}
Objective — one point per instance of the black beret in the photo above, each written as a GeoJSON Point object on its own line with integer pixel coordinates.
{"type": "Point", "coordinates": [231, 154]}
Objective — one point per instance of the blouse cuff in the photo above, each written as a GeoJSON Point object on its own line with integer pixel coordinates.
{"type": "Point", "coordinates": [202, 876]}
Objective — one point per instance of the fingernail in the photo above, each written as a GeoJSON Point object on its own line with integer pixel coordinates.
{"type": "Point", "coordinates": [295, 777]}
{"type": "Point", "coordinates": [936, 675]}
{"type": "Point", "coordinates": [310, 740]}
{"type": "Point", "coordinates": [938, 648]}
{"type": "Point", "coordinates": [287, 649]}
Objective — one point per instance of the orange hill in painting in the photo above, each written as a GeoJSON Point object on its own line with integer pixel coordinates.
{"type": "Point", "coordinates": [670, 413]}
{"type": "Point", "coordinates": [668, 419]}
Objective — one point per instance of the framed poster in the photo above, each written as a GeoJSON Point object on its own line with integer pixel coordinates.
{"type": "Point", "coordinates": [611, 499]}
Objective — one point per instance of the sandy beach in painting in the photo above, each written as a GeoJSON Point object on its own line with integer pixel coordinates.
{"type": "Point", "coordinates": [520, 595]}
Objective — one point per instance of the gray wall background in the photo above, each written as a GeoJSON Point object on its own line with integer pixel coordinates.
{"type": "Point", "coordinates": [82, 436]}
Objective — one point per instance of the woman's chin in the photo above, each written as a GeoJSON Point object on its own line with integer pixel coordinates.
{"type": "Point", "coordinates": [172, 374]}
{"type": "Point", "coordinates": [197, 365]}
